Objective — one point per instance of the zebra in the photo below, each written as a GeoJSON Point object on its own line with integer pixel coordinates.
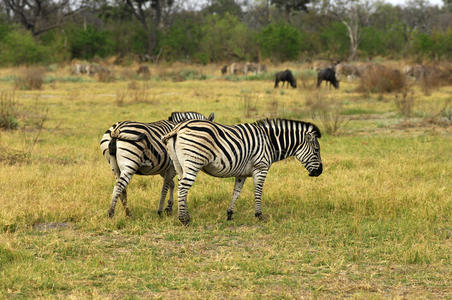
{"type": "Point", "coordinates": [136, 148]}
{"type": "Point", "coordinates": [240, 151]}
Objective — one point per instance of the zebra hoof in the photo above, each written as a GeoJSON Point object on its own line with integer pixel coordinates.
{"type": "Point", "coordinates": [128, 214]}
{"type": "Point", "coordinates": [230, 212]}
{"type": "Point", "coordinates": [260, 216]}
{"type": "Point", "coordinates": [111, 213]}
{"type": "Point", "coordinates": [169, 211]}
{"type": "Point", "coordinates": [159, 212]}
{"type": "Point", "coordinates": [185, 220]}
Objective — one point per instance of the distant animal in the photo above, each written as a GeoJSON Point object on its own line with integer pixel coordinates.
{"type": "Point", "coordinates": [285, 76]}
{"type": "Point", "coordinates": [347, 70]}
{"type": "Point", "coordinates": [78, 69]}
{"type": "Point", "coordinates": [136, 148]}
{"type": "Point", "coordinates": [224, 69]}
{"type": "Point", "coordinates": [261, 68]}
{"type": "Point", "coordinates": [93, 69]}
{"type": "Point", "coordinates": [327, 75]}
{"type": "Point", "coordinates": [249, 67]}
{"type": "Point", "coordinates": [237, 69]}
{"type": "Point", "coordinates": [240, 151]}
{"type": "Point", "coordinates": [143, 70]}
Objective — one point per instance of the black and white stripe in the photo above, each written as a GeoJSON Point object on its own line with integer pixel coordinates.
{"type": "Point", "coordinates": [136, 148]}
{"type": "Point", "coordinates": [240, 151]}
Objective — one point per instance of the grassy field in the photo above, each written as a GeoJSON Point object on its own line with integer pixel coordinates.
{"type": "Point", "coordinates": [376, 224]}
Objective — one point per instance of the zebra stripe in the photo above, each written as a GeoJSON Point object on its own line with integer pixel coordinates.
{"type": "Point", "coordinates": [179, 117]}
{"type": "Point", "coordinates": [136, 148]}
{"type": "Point", "coordinates": [240, 151]}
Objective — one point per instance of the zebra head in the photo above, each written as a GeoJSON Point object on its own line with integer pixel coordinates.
{"type": "Point", "coordinates": [309, 151]}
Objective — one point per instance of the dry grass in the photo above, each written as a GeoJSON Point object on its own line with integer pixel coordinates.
{"type": "Point", "coordinates": [328, 112]}
{"type": "Point", "coordinates": [8, 110]}
{"type": "Point", "coordinates": [381, 79]}
{"type": "Point", "coordinates": [31, 78]}
{"type": "Point", "coordinates": [405, 103]}
{"type": "Point", "coordinates": [375, 224]}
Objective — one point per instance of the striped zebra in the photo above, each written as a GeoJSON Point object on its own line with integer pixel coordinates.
{"type": "Point", "coordinates": [136, 148]}
{"type": "Point", "coordinates": [240, 151]}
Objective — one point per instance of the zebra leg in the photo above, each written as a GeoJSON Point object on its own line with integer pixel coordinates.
{"type": "Point", "coordinates": [169, 208]}
{"type": "Point", "coordinates": [123, 197]}
{"type": "Point", "coordinates": [184, 185]}
{"type": "Point", "coordinates": [120, 187]}
{"type": "Point", "coordinates": [239, 181]}
{"type": "Point", "coordinates": [167, 184]}
{"type": "Point", "coordinates": [258, 179]}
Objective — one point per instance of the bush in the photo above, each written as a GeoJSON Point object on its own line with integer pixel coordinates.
{"type": "Point", "coordinates": [31, 79]}
{"type": "Point", "coordinates": [328, 112]}
{"type": "Point", "coordinates": [86, 44]}
{"type": "Point", "coordinates": [183, 75]}
{"type": "Point", "coordinates": [280, 41]}
{"type": "Point", "coordinates": [18, 47]}
{"type": "Point", "coordinates": [226, 37]}
{"type": "Point", "coordinates": [8, 110]}
{"type": "Point", "coordinates": [405, 103]}
{"type": "Point", "coordinates": [380, 79]}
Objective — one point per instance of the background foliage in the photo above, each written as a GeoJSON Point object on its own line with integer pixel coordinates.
{"type": "Point", "coordinates": [223, 31]}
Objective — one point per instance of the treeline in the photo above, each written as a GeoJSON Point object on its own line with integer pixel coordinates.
{"type": "Point", "coordinates": [50, 31]}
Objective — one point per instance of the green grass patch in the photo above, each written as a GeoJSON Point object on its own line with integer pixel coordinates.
{"type": "Point", "coordinates": [375, 224]}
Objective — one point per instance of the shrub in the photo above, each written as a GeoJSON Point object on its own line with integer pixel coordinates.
{"type": "Point", "coordinates": [30, 79]}
{"type": "Point", "coordinates": [280, 41]}
{"type": "Point", "coordinates": [225, 37]}
{"type": "Point", "coordinates": [405, 103]}
{"type": "Point", "coordinates": [380, 79]}
{"type": "Point", "coordinates": [328, 113]}
{"type": "Point", "coordinates": [183, 75]}
{"type": "Point", "coordinates": [8, 110]}
{"type": "Point", "coordinates": [86, 44]}
{"type": "Point", "coordinates": [19, 47]}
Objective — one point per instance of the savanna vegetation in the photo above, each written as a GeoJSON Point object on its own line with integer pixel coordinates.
{"type": "Point", "coordinates": [49, 31]}
{"type": "Point", "coordinates": [375, 224]}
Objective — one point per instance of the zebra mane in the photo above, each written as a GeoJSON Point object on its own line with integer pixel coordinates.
{"type": "Point", "coordinates": [178, 117]}
{"type": "Point", "coordinates": [277, 121]}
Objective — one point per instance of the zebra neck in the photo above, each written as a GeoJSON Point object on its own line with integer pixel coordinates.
{"type": "Point", "coordinates": [284, 142]}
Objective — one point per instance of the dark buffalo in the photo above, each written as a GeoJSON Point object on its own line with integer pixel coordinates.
{"type": "Point", "coordinates": [285, 76]}
{"type": "Point", "coordinates": [328, 75]}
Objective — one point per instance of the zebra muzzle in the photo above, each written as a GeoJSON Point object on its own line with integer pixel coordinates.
{"type": "Point", "coordinates": [316, 172]}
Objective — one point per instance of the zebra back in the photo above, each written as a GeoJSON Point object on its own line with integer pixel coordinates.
{"type": "Point", "coordinates": [178, 117]}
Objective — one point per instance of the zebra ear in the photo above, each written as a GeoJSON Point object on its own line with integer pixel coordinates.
{"type": "Point", "coordinates": [211, 117]}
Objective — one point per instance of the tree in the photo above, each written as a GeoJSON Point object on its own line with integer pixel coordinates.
{"type": "Point", "coordinates": [221, 7]}
{"type": "Point", "coordinates": [226, 38]}
{"type": "Point", "coordinates": [354, 14]}
{"type": "Point", "coordinates": [280, 41]}
{"type": "Point", "coordinates": [40, 16]}
{"type": "Point", "coordinates": [144, 10]}
{"type": "Point", "coordinates": [289, 6]}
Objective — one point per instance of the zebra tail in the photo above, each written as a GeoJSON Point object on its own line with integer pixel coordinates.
{"type": "Point", "coordinates": [169, 135]}
{"type": "Point", "coordinates": [112, 146]}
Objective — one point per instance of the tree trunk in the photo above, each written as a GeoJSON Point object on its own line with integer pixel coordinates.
{"type": "Point", "coordinates": [353, 37]}
{"type": "Point", "coordinates": [156, 17]}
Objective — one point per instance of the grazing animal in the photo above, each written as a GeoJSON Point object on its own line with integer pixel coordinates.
{"type": "Point", "coordinates": [143, 70]}
{"type": "Point", "coordinates": [78, 69]}
{"type": "Point", "coordinates": [237, 69]}
{"type": "Point", "coordinates": [249, 67]}
{"type": "Point", "coordinates": [347, 70]}
{"type": "Point", "coordinates": [329, 75]}
{"type": "Point", "coordinates": [285, 76]}
{"type": "Point", "coordinates": [224, 69]}
{"type": "Point", "coordinates": [261, 68]}
{"type": "Point", "coordinates": [136, 148]}
{"type": "Point", "coordinates": [240, 151]}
